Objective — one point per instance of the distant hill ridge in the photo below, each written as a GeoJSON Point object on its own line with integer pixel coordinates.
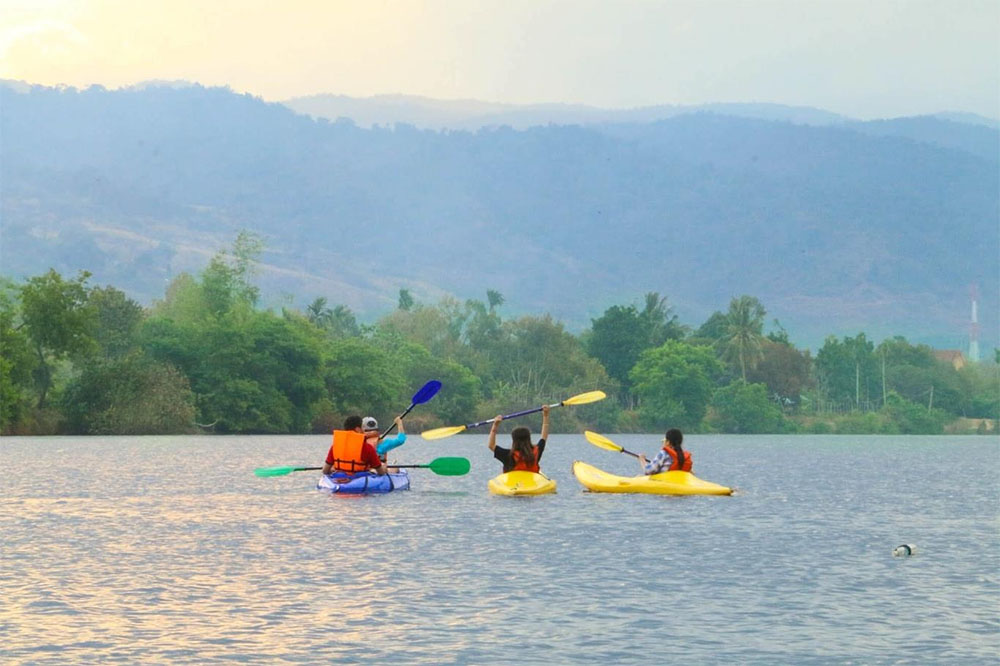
{"type": "Point", "coordinates": [966, 131]}
{"type": "Point", "coordinates": [837, 228]}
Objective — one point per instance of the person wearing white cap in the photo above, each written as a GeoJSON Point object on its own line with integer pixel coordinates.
{"type": "Point", "coordinates": [370, 426]}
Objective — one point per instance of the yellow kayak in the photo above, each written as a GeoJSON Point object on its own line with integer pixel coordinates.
{"type": "Point", "coordinates": [664, 483]}
{"type": "Point", "coordinates": [522, 483]}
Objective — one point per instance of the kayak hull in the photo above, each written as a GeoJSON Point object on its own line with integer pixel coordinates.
{"type": "Point", "coordinates": [521, 483]}
{"type": "Point", "coordinates": [366, 483]}
{"type": "Point", "coordinates": [664, 483]}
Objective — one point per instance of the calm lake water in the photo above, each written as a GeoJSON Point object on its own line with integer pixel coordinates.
{"type": "Point", "coordinates": [169, 550]}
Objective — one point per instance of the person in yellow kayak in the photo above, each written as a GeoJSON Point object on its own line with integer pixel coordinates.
{"type": "Point", "coordinates": [522, 454]}
{"type": "Point", "coordinates": [372, 436]}
{"type": "Point", "coordinates": [351, 453]}
{"type": "Point", "coordinates": [672, 452]}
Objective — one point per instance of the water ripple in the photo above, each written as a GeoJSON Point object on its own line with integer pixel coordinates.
{"type": "Point", "coordinates": [163, 550]}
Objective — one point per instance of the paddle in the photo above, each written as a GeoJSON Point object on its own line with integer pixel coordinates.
{"type": "Point", "coordinates": [441, 466]}
{"type": "Point", "coordinates": [426, 392]}
{"type": "Point", "coordinates": [448, 431]}
{"type": "Point", "coordinates": [602, 442]}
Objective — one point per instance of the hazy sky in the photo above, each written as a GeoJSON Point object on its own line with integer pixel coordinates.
{"type": "Point", "coordinates": [872, 58]}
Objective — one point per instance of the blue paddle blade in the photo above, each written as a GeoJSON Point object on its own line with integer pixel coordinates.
{"type": "Point", "coordinates": [426, 392]}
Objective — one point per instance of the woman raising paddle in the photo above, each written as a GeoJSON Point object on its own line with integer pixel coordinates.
{"type": "Point", "coordinates": [672, 451]}
{"type": "Point", "coordinates": [383, 444]}
{"type": "Point", "coordinates": [522, 455]}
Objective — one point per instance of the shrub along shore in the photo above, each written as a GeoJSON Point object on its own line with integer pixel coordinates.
{"type": "Point", "coordinates": [83, 359]}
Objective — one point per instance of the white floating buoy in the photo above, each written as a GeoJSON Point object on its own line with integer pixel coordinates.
{"type": "Point", "coordinates": [905, 550]}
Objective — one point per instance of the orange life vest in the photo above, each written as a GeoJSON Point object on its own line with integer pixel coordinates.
{"type": "Point", "coordinates": [346, 448]}
{"type": "Point", "coordinates": [520, 465]}
{"type": "Point", "coordinates": [674, 466]}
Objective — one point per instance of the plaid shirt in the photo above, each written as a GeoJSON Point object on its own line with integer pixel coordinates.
{"type": "Point", "coordinates": [661, 461]}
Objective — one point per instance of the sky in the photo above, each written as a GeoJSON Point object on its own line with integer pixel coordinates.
{"type": "Point", "coordinates": [864, 59]}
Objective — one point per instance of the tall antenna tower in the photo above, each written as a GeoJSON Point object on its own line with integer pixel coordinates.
{"type": "Point", "coordinates": [974, 326]}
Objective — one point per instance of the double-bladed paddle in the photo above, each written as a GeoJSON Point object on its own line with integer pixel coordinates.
{"type": "Point", "coordinates": [441, 466]}
{"type": "Point", "coordinates": [602, 442]}
{"type": "Point", "coordinates": [448, 431]}
{"type": "Point", "coordinates": [426, 392]}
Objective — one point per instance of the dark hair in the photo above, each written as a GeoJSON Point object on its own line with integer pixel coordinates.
{"type": "Point", "coordinates": [675, 437]}
{"type": "Point", "coordinates": [352, 422]}
{"type": "Point", "coordinates": [521, 442]}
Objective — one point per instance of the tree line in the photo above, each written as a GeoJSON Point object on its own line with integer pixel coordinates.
{"type": "Point", "coordinates": [82, 359]}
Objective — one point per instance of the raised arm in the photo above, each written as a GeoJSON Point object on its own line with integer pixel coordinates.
{"type": "Point", "coordinates": [493, 432]}
{"type": "Point", "coordinates": [545, 422]}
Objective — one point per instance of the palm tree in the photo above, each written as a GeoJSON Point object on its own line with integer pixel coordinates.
{"type": "Point", "coordinates": [744, 334]}
{"type": "Point", "coordinates": [318, 313]}
{"type": "Point", "coordinates": [494, 298]}
{"type": "Point", "coordinates": [659, 320]}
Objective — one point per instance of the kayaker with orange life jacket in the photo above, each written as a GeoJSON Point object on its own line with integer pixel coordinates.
{"type": "Point", "coordinates": [672, 454]}
{"type": "Point", "coordinates": [522, 455]}
{"type": "Point", "coordinates": [350, 453]}
{"type": "Point", "coordinates": [373, 436]}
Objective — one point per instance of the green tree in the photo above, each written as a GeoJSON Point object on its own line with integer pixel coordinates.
{"type": "Point", "coordinates": [714, 328]}
{"type": "Point", "coordinates": [319, 314]}
{"type": "Point", "coordinates": [17, 360]}
{"type": "Point", "coordinates": [848, 369]}
{"type": "Point", "coordinates": [618, 337]}
{"type": "Point", "coordinates": [59, 321]}
{"type": "Point", "coordinates": [914, 419]}
{"type": "Point", "coordinates": [744, 333]}
{"type": "Point", "coordinates": [784, 369]}
{"type": "Point", "coordinates": [227, 281]}
{"type": "Point", "coordinates": [430, 327]}
{"type": "Point", "coordinates": [659, 321]}
{"type": "Point", "coordinates": [745, 408]}
{"type": "Point", "coordinates": [494, 298]}
{"type": "Point", "coordinates": [538, 361]}
{"type": "Point", "coordinates": [674, 382]}
{"type": "Point", "coordinates": [405, 300]}
{"type": "Point", "coordinates": [128, 395]}
{"type": "Point", "coordinates": [361, 378]}
{"type": "Point", "coordinates": [483, 327]}
{"type": "Point", "coordinates": [461, 390]}
{"type": "Point", "coordinates": [118, 320]}
{"type": "Point", "coordinates": [250, 372]}
{"type": "Point", "coordinates": [338, 322]}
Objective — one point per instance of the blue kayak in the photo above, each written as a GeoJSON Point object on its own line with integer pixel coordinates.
{"type": "Point", "coordinates": [365, 483]}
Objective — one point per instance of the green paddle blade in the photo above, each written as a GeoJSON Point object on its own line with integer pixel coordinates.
{"type": "Point", "coordinates": [273, 471]}
{"type": "Point", "coordinates": [450, 466]}
{"type": "Point", "coordinates": [441, 433]}
{"type": "Point", "coordinates": [584, 398]}
{"type": "Point", "coordinates": [600, 441]}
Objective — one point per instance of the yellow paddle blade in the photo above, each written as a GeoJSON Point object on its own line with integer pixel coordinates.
{"type": "Point", "coordinates": [441, 433]}
{"type": "Point", "coordinates": [601, 441]}
{"type": "Point", "coordinates": [584, 398]}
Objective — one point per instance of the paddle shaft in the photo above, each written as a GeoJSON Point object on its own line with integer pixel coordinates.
{"type": "Point", "coordinates": [510, 416]}
{"type": "Point", "coordinates": [393, 424]}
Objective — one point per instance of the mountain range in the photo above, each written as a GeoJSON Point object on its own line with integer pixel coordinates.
{"type": "Point", "coordinates": [836, 225]}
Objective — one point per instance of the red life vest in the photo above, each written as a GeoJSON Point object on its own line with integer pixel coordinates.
{"type": "Point", "coordinates": [346, 451]}
{"type": "Point", "coordinates": [674, 466]}
{"type": "Point", "coordinates": [520, 465]}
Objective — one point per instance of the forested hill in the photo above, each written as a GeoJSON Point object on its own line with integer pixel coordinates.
{"type": "Point", "coordinates": [836, 229]}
